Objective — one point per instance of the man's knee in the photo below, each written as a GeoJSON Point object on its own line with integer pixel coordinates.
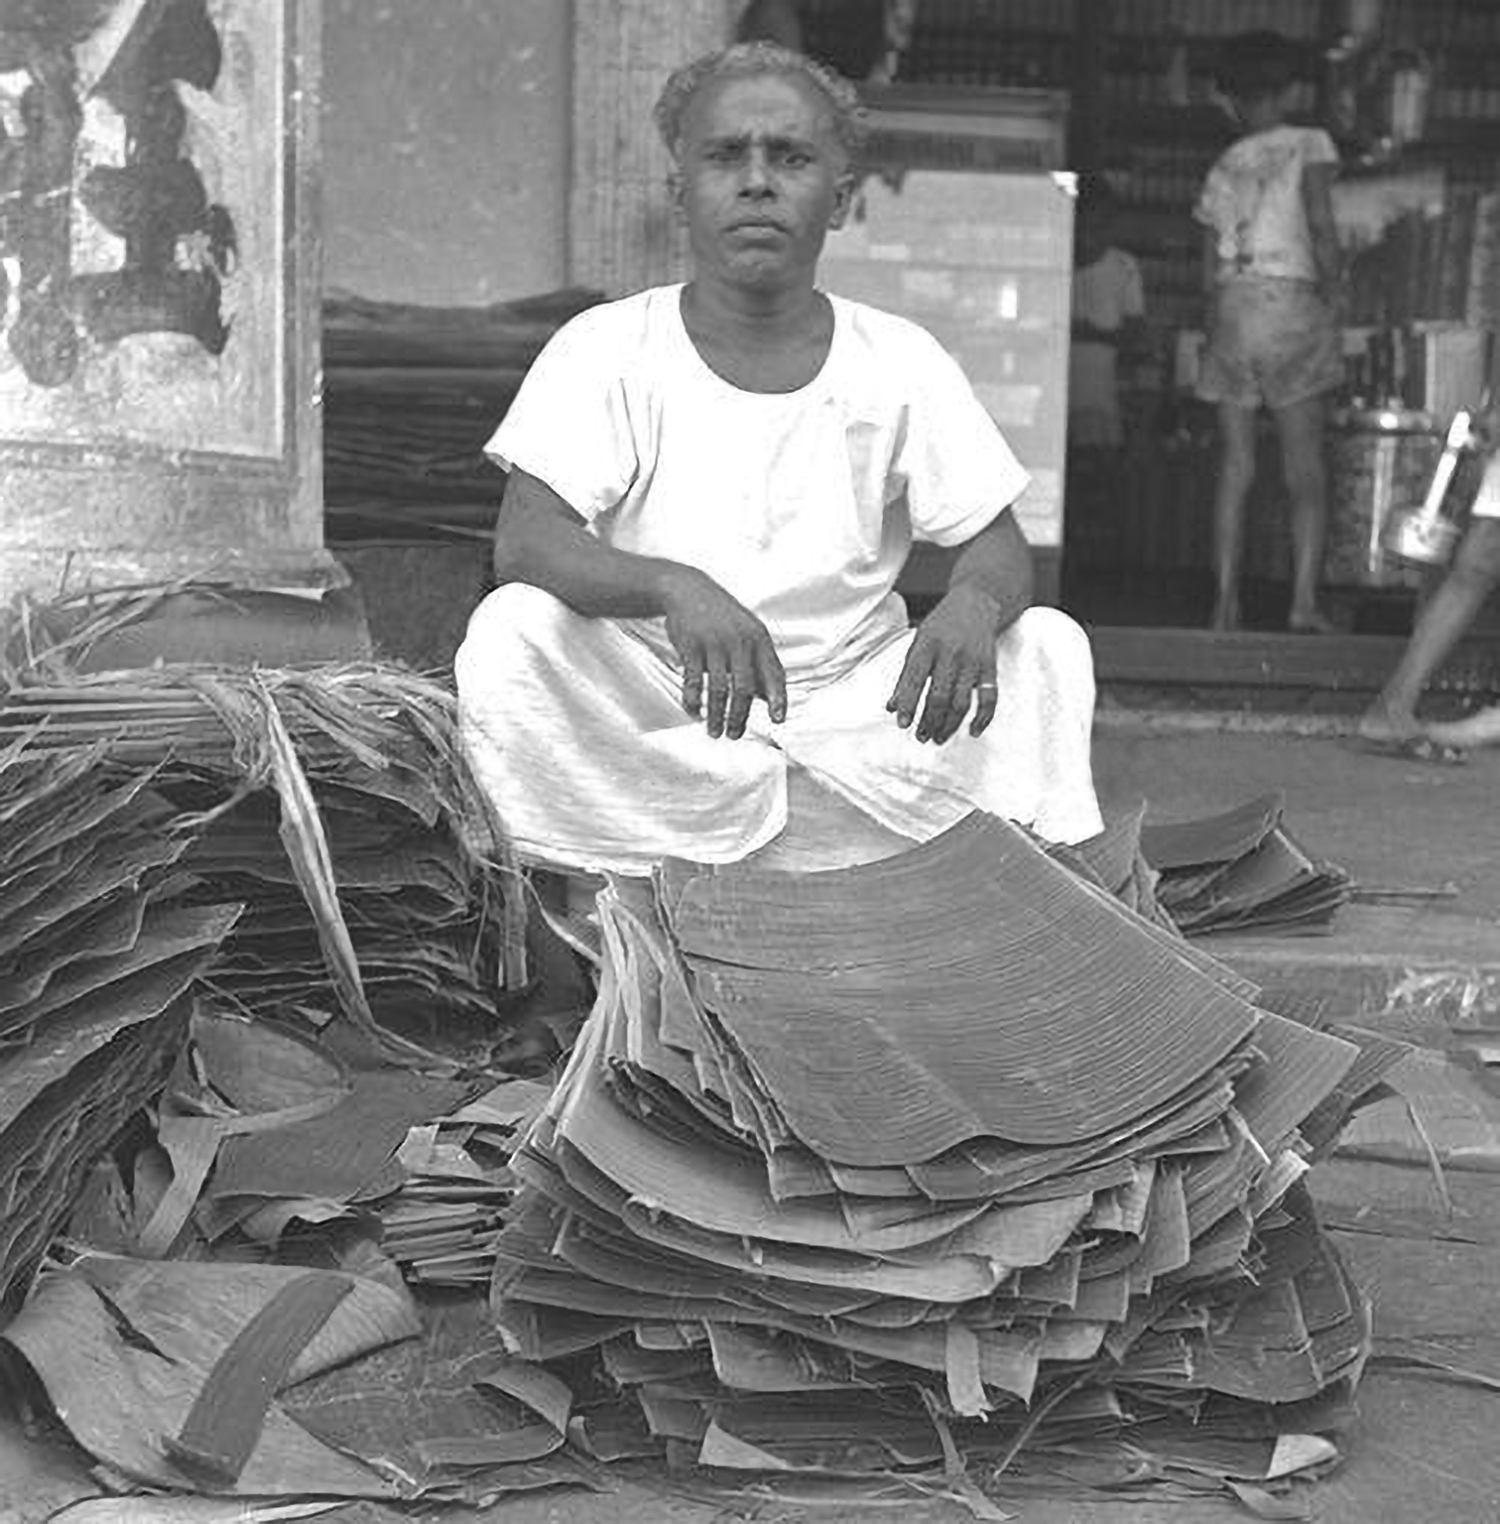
{"type": "Point", "coordinates": [516, 630]}
{"type": "Point", "coordinates": [1056, 637]}
{"type": "Point", "coordinates": [518, 614]}
{"type": "Point", "coordinates": [527, 607]}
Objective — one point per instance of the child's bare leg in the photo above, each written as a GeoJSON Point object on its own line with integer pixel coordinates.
{"type": "Point", "coordinates": [1236, 473]}
{"type": "Point", "coordinates": [1442, 622]}
{"type": "Point", "coordinates": [1299, 427]}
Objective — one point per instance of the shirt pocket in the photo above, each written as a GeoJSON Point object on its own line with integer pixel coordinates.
{"type": "Point", "coordinates": [872, 484]}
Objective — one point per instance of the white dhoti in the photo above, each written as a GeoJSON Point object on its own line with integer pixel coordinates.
{"type": "Point", "coordinates": [576, 729]}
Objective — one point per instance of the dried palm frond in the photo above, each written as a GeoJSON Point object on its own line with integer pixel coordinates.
{"type": "Point", "coordinates": [369, 726]}
{"type": "Point", "coordinates": [365, 762]}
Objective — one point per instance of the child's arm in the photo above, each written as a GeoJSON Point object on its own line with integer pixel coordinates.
{"type": "Point", "coordinates": [1317, 203]}
{"type": "Point", "coordinates": [1210, 263]}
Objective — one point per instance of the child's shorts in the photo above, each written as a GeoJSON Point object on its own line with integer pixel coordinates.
{"type": "Point", "coordinates": [1272, 342]}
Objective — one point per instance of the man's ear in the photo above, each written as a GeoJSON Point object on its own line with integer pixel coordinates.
{"type": "Point", "coordinates": [843, 199]}
{"type": "Point", "coordinates": [675, 192]}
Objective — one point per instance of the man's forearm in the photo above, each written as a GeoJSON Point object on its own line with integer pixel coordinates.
{"type": "Point", "coordinates": [539, 540]}
{"type": "Point", "coordinates": [997, 564]}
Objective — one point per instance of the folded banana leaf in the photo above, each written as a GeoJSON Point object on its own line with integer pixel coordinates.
{"type": "Point", "coordinates": [1242, 870]}
{"type": "Point", "coordinates": [124, 1397]}
{"type": "Point", "coordinates": [449, 1415]}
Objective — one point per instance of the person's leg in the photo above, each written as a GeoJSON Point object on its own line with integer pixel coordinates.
{"type": "Point", "coordinates": [1299, 427]}
{"type": "Point", "coordinates": [1236, 474]}
{"type": "Point", "coordinates": [1442, 622]}
{"type": "Point", "coordinates": [575, 730]}
{"type": "Point", "coordinates": [1032, 764]}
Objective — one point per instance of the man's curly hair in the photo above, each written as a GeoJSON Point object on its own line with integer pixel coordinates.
{"type": "Point", "coordinates": [745, 60]}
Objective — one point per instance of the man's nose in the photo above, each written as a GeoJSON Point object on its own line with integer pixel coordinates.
{"type": "Point", "coordinates": [757, 179]}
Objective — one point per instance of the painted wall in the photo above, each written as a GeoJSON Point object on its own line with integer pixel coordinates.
{"type": "Point", "coordinates": [446, 148]}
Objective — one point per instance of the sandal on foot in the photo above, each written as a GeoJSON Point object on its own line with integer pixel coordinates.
{"type": "Point", "coordinates": [1312, 624]}
{"type": "Point", "coordinates": [1416, 748]}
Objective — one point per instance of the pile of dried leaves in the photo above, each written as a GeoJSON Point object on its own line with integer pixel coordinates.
{"type": "Point", "coordinates": [411, 395]}
{"type": "Point", "coordinates": [956, 1174]}
{"type": "Point", "coordinates": [949, 1165]}
{"type": "Point", "coordinates": [226, 1310]}
{"type": "Point", "coordinates": [260, 947]}
{"type": "Point", "coordinates": [1243, 871]}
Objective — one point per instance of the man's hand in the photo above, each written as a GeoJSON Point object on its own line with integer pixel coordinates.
{"type": "Point", "coordinates": [724, 648]}
{"type": "Point", "coordinates": [952, 657]}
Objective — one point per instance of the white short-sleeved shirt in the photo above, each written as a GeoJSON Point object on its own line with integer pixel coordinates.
{"type": "Point", "coordinates": [1108, 291]}
{"type": "Point", "coordinates": [1252, 199]}
{"type": "Point", "coordinates": [803, 505]}
{"type": "Point", "coordinates": [1105, 294]}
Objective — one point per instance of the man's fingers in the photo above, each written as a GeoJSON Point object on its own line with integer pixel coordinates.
{"type": "Point", "coordinates": [986, 695]}
{"type": "Point", "coordinates": [908, 690]}
{"type": "Point", "coordinates": [959, 699]}
{"type": "Point", "coordinates": [718, 696]}
{"type": "Point", "coordinates": [742, 681]}
{"type": "Point", "coordinates": [692, 684]}
{"type": "Point", "coordinates": [933, 723]}
{"type": "Point", "coordinates": [771, 680]}
{"type": "Point", "coordinates": [739, 712]}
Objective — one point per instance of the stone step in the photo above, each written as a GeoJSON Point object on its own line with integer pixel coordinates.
{"type": "Point", "coordinates": [1407, 971]}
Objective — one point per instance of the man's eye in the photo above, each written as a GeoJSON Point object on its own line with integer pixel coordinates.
{"type": "Point", "coordinates": [796, 159]}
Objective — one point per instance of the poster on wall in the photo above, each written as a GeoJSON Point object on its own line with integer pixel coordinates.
{"type": "Point", "coordinates": [143, 284]}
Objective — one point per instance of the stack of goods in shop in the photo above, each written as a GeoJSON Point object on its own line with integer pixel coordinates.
{"type": "Point", "coordinates": [411, 396]}
{"type": "Point", "coordinates": [1242, 870]}
{"type": "Point", "coordinates": [1483, 309]}
{"type": "Point", "coordinates": [1421, 268]}
{"type": "Point", "coordinates": [949, 1166]}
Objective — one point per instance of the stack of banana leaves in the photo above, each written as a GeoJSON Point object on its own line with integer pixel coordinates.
{"type": "Point", "coordinates": [960, 1175]}
{"type": "Point", "coordinates": [951, 1166]}
{"type": "Point", "coordinates": [263, 986]}
{"type": "Point", "coordinates": [411, 396]}
{"type": "Point", "coordinates": [1243, 870]}
{"type": "Point", "coordinates": [299, 845]}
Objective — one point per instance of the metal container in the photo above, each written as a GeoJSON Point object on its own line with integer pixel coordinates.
{"type": "Point", "coordinates": [1423, 532]}
{"type": "Point", "coordinates": [1380, 463]}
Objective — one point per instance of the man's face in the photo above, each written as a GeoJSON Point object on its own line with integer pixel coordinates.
{"type": "Point", "coordinates": [761, 178]}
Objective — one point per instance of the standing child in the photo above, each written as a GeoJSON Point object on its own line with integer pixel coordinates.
{"type": "Point", "coordinates": [1271, 267]}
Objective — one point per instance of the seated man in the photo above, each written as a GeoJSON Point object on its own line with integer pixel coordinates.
{"type": "Point", "coordinates": [713, 488]}
{"type": "Point", "coordinates": [1391, 724]}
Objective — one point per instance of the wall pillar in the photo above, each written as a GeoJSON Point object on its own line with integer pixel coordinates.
{"type": "Point", "coordinates": [622, 235]}
{"type": "Point", "coordinates": [159, 301]}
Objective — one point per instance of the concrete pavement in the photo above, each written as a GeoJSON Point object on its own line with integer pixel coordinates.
{"type": "Point", "coordinates": [1421, 839]}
